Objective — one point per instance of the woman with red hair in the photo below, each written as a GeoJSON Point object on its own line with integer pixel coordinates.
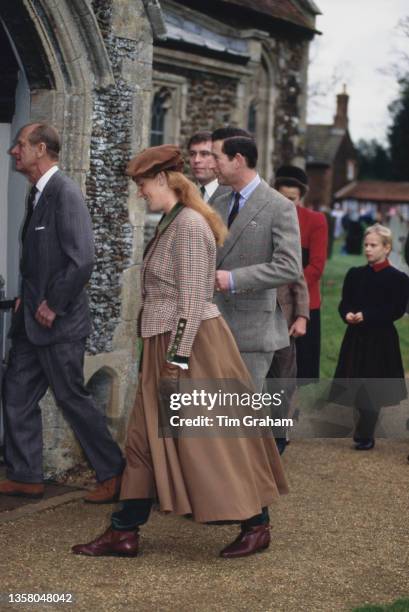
{"type": "Point", "coordinates": [184, 337]}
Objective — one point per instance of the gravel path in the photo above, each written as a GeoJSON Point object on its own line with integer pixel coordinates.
{"type": "Point", "coordinates": [340, 539]}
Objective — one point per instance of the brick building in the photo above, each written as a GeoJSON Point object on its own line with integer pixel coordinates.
{"type": "Point", "coordinates": [241, 62]}
{"type": "Point", "coordinates": [331, 158]}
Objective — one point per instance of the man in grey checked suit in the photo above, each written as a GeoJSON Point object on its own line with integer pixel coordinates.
{"type": "Point", "coordinates": [50, 324]}
{"type": "Point", "coordinates": [261, 252]}
{"type": "Point", "coordinates": [203, 167]}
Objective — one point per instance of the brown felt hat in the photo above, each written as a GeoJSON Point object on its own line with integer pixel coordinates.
{"type": "Point", "coordinates": [150, 162]}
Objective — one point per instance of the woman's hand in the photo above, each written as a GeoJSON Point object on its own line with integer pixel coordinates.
{"type": "Point", "coordinates": [170, 370]}
{"type": "Point", "coordinates": [168, 385]}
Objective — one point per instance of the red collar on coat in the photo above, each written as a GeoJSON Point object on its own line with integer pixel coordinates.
{"type": "Point", "coordinates": [380, 266]}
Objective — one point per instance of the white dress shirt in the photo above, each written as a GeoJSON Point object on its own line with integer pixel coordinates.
{"type": "Point", "coordinates": [210, 188]}
{"type": "Point", "coordinates": [42, 182]}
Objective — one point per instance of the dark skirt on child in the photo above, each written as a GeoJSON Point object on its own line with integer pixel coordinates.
{"type": "Point", "coordinates": [370, 370]}
{"type": "Point", "coordinates": [374, 359]}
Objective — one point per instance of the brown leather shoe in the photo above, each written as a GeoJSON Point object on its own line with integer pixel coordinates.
{"type": "Point", "coordinates": [21, 489]}
{"type": "Point", "coordinates": [105, 492]}
{"type": "Point", "coordinates": [249, 541]}
{"type": "Point", "coordinates": [111, 543]}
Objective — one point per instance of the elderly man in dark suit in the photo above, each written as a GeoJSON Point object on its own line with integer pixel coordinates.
{"type": "Point", "coordinates": [50, 324]}
{"type": "Point", "coordinates": [262, 252]}
{"type": "Point", "coordinates": [203, 168]}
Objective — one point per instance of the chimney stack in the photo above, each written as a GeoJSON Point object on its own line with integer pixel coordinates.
{"type": "Point", "coordinates": [341, 118]}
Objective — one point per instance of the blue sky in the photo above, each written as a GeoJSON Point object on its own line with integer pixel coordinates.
{"type": "Point", "coordinates": [359, 43]}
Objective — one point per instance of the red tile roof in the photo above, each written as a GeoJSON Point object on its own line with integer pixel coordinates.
{"type": "Point", "coordinates": [375, 191]}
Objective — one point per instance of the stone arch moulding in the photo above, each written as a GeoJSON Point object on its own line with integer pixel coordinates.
{"type": "Point", "coordinates": [117, 365]}
{"type": "Point", "coordinates": [110, 378]}
{"type": "Point", "coordinates": [64, 57]}
{"type": "Point", "coordinates": [107, 389]}
{"type": "Point", "coordinates": [265, 108]}
{"type": "Point", "coordinates": [122, 372]}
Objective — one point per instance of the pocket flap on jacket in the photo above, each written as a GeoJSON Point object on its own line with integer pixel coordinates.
{"type": "Point", "coordinates": [255, 304]}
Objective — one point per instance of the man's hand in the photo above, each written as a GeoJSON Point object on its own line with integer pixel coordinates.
{"type": "Point", "coordinates": [44, 315]}
{"type": "Point", "coordinates": [17, 304]}
{"type": "Point", "coordinates": [222, 280]}
{"type": "Point", "coordinates": [298, 328]}
{"type": "Point", "coordinates": [354, 317]}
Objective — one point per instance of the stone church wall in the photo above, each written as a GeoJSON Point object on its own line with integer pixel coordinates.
{"type": "Point", "coordinates": [91, 76]}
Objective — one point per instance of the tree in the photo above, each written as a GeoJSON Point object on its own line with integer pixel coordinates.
{"type": "Point", "coordinates": [374, 161]}
{"type": "Point", "coordinates": [321, 89]}
{"type": "Point", "coordinates": [398, 133]}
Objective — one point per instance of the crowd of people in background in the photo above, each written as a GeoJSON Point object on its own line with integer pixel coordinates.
{"type": "Point", "coordinates": [353, 221]}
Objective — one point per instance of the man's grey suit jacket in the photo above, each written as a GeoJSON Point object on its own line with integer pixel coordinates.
{"type": "Point", "coordinates": [263, 251]}
{"type": "Point", "coordinates": [57, 261]}
{"type": "Point", "coordinates": [220, 191]}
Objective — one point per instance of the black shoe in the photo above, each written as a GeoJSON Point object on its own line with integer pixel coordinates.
{"type": "Point", "coordinates": [365, 445]}
{"type": "Point", "coordinates": [281, 444]}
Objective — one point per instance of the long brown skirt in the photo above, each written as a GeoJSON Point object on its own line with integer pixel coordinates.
{"type": "Point", "coordinates": [212, 478]}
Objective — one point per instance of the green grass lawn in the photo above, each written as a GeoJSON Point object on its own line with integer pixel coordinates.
{"type": "Point", "coordinates": [332, 326]}
{"type": "Point", "coordinates": [401, 605]}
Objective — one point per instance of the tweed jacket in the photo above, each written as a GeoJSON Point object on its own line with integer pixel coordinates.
{"type": "Point", "coordinates": [294, 301]}
{"type": "Point", "coordinates": [57, 261]}
{"type": "Point", "coordinates": [177, 278]}
{"type": "Point", "coordinates": [262, 251]}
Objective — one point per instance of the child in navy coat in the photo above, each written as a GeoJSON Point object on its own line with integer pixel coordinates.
{"type": "Point", "coordinates": [373, 297]}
